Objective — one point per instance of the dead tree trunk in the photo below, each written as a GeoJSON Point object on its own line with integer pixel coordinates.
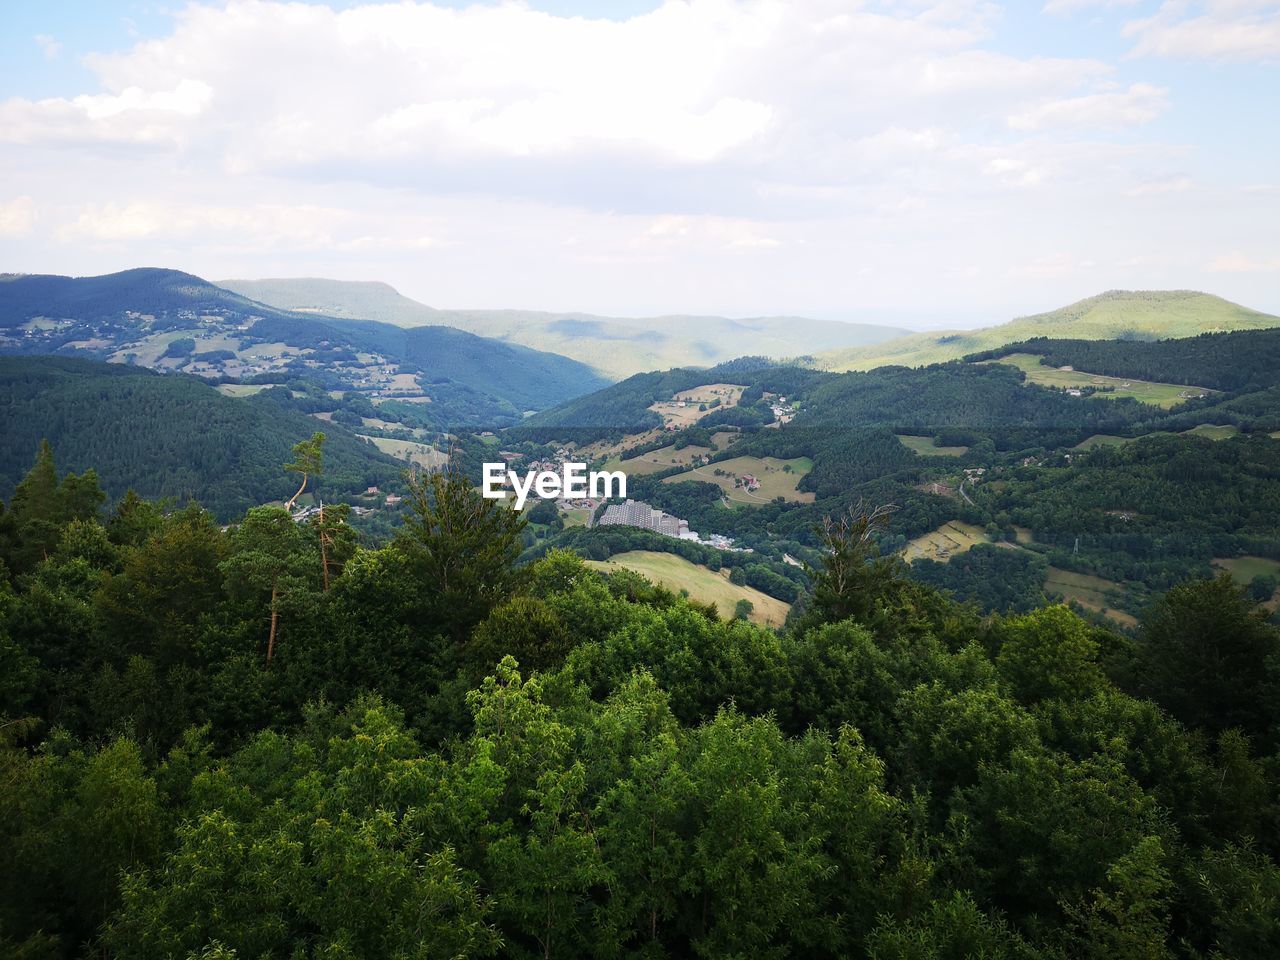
{"type": "Point", "coordinates": [275, 620]}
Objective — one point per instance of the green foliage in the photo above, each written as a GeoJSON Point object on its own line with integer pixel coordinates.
{"type": "Point", "coordinates": [167, 436]}
{"type": "Point", "coordinates": [1207, 655]}
{"type": "Point", "coordinates": [460, 547]}
{"type": "Point", "coordinates": [1049, 654]}
{"type": "Point", "coordinates": [995, 578]}
{"type": "Point", "coordinates": [450, 755]}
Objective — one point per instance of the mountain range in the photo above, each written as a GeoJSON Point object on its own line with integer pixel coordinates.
{"type": "Point", "coordinates": [174, 321]}
{"type": "Point", "coordinates": [616, 347]}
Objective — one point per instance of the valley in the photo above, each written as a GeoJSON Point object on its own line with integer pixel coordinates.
{"type": "Point", "coordinates": [984, 451]}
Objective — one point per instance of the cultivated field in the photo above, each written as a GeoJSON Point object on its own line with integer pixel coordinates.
{"type": "Point", "coordinates": [1156, 394]}
{"type": "Point", "coordinates": [944, 543]}
{"type": "Point", "coordinates": [924, 446]}
{"type": "Point", "coordinates": [1092, 593]}
{"type": "Point", "coordinates": [775, 480]}
{"type": "Point", "coordinates": [422, 454]}
{"type": "Point", "coordinates": [702, 584]}
{"type": "Point", "coordinates": [240, 389]}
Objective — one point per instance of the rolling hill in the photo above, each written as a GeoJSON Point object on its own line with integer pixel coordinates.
{"type": "Point", "coordinates": [1115, 315]}
{"type": "Point", "coordinates": [178, 322]}
{"type": "Point", "coordinates": [617, 347]}
{"type": "Point", "coordinates": [168, 435]}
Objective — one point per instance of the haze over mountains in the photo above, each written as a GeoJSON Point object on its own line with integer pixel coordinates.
{"type": "Point", "coordinates": [615, 346]}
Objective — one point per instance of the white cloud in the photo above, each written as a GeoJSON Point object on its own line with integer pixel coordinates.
{"type": "Point", "coordinates": [1072, 6]}
{"type": "Point", "coordinates": [714, 155]}
{"type": "Point", "coordinates": [133, 114]}
{"type": "Point", "coordinates": [17, 217]}
{"type": "Point", "coordinates": [1140, 104]}
{"type": "Point", "coordinates": [1210, 30]}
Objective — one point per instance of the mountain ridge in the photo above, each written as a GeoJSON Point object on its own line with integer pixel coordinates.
{"type": "Point", "coordinates": [1111, 315]}
{"type": "Point", "coordinates": [171, 320]}
{"type": "Point", "coordinates": [655, 343]}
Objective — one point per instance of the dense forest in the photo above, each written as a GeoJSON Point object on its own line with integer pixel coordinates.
{"type": "Point", "coordinates": [167, 436]}
{"type": "Point", "coordinates": [1234, 361]}
{"type": "Point", "coordinates": [1151, 510]}
{"type": "Point", "coordinates": [267, 741]}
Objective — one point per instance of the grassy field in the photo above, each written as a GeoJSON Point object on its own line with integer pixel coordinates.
{"type": "Point", "coordinates": [1244, 569]}
{"type": "Point", "coordinates": [1157, 394]}
{"type": "Point", "coordinates": [1102, 440]}
{"type": "Point", "coordinates": [944, 543]}
{"type": "Point", "coordinates": [1213, 431]}
{"type": "Point", "coordinates": [240, 389]}
{"type": "Point", "coordinates": [607, 450]}
{"type": "Point", "coordinates": [656, 460]}
{"type": "Point", "coordinates": [1154, 314]}
{"type": "Point", "coordinates": [576, 517]}
{"type": "Point", "coordinates": [423, 454]}
{"type": "Point", "coordinates": [1092, 593]}
{"type": "Point", "coordinates": [924, 446]}
{"type": "Point", "coordinates": [703, 585]}
{"type": "Point", "coordinates": [724, 438]}
{"type": "Point", "coordinates": [672, 412]}
{"type": "Point", "coordinates": [774, 480]}
{"type": "Point", "coordinates": [1022, 534]}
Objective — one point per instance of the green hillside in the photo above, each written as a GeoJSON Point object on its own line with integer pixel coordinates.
{"type": "Point", "coordinates": [1115, 315]}
{"type": "Point", "coordinates": [167, 435]}
{"type": "Point", "coordinates": [617, 347]}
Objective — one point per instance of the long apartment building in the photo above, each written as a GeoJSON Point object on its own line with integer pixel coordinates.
{"type": "Point", "coordinates": [639, 514]}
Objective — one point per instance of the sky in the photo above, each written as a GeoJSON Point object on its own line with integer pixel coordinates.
{"type": "Point", "coordinates": [928, 163]}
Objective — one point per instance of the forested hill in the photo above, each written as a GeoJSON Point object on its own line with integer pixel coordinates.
{"type": "Point", "coordinates": [1235, 361]}
{"type": "Point", "coordinates": [1114, 315]}
{"type": "Point", "coordinates": [175, 321]}
{"type": "Point", "coordinates": [624, 407]}
{"type": "Point", "coordinates": [528, 379]}
{"type": "Point", "coordinates": [167, 435]}
{"type": "Point", "coordinates": [144, 290]}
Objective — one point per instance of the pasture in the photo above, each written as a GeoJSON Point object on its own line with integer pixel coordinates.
{"type": "Point", "coordinates": [421, 454]}
{"type": "Point", "coordinates": [656, 461]}
{"type": "Point", "coordinates": [777, 478]}
{"type": "Point", "coordinates": [924, 446]}
{"type": "Point", "coordinates": [1092, 593]}
{"type": "Point", "coordinates": [1213, 431]}
{"type": "Point", "coordinates": [702, 584]}
{"type": "Point", "coordinates": [1157, 394]}
{"type": "Point", "coordinates": [682, 410]}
